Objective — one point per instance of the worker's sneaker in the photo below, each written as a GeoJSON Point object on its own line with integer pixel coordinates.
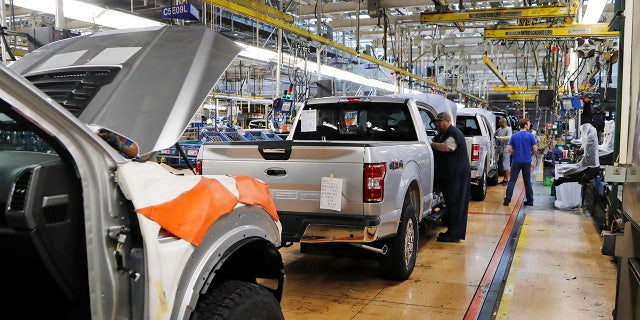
{"type": "Point", "coordinates": [529, 203]}
{"type": "Point", "coordinates": [505, 202]}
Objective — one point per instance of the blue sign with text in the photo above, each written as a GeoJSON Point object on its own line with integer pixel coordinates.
{"type": "Point", "coordinates": [182, 11]}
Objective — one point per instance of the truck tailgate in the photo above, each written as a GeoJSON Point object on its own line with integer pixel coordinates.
{"type": "Point", "coordinates": [295, 183]}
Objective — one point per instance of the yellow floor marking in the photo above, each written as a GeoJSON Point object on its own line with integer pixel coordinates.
{"type": "Point", "coordinates": [505, 301]}
{"type": "Point", "coordinates": [540, 169]}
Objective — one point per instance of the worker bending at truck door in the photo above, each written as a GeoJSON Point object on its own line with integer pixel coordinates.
{"type": "Point", "coordinates": [453, 175]}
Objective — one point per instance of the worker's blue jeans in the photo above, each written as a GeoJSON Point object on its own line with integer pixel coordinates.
{"type": "Point", "coordinates": [516, 167]}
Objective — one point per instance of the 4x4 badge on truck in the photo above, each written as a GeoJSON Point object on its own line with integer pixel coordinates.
{"type": "Point", "coordinates": [393, 165]}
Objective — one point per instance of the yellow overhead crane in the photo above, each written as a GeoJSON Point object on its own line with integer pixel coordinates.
{"type": "Point", "coordinates": [257, 11]}
{"type": "Point", "coordinates": [519, 89]}
{"type": "Point", "coordinates": [526, 94]}
{"type": "Point", "coordinates": [494, 69]}
{"type": "Point", "coordinates": [528, 12]}
{"type": "Point", "coordinates": [546, 31]}
{"type": "Point", "coordinates": [444, 4]}
{"type": "Point", "coordinates": [526, 97]}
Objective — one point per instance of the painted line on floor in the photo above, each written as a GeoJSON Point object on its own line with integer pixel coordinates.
{"type": "Point", "coordinates": [491, 213]}
{"type": "Point", "coordinates": [507, 294]}
{"type": "Point", "coordinates": [483, 288]}
{"type": "Point", "coordinates": [540, 168]}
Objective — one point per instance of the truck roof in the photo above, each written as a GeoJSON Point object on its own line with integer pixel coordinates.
{"type": "Point", "coordinates": [491, 118]}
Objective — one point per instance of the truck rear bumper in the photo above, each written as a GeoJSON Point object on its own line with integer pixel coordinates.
{"type": "Point", "coordinates": [311, 228]}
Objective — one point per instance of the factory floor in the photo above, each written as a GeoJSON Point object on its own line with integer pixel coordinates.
{"type": "Point", "coordinates": [517, 262]}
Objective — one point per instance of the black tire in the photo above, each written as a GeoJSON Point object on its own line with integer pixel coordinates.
{"type": "Point", "coordinates": [238, 300]}
{"type": "Point", "coordinates": [400, 259]}
{"type": "Point", "coordinates": [493, 180]}
{"type": "Point", "coordinates": [479, 191]}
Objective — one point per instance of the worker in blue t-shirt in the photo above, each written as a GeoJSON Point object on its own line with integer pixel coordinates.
{"type": "Point", "coordinates": [521, 146]}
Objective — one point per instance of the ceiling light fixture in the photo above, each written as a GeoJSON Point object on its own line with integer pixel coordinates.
{"type": "Point", "coordinates": [82, 11]}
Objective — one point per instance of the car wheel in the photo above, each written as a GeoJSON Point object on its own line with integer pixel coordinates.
{"type": "Point", "coordinates": [400, 259]}
{"type": "Point", "coordinates": [479, 191]}
{"type": "Point", "coordinates": [493, 179]}
{"type": "Point", "coordinates": [237, 300]}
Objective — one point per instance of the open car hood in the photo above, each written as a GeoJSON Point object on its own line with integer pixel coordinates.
{"type": "Point", "coordinates": [145, 84]}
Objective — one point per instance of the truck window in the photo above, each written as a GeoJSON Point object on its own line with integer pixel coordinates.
{"type": "Point", "coordinates": [14, 137]}
{"type": "Point", "coordinates": [468, 125]}
{"type": "Point", "coordinates": [428, 122]}
{"type": "Point", "coordinates": [360, 121]}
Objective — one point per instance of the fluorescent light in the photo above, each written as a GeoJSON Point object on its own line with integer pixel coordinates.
{"type": "Point", "coordinates": [256, 53]}
{"type": "Point", "coordinates": [82, 11]}
{"type": "Point", "coordinates": [265, 55]}
{"type": "Point", "coordinates": [593, 12]}
{"type": "Point", "coordinates": [348, 76]}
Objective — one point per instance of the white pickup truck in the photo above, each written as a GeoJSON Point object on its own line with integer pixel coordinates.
{"type": "Point", "coordinates": [88, 234]}
{"type": "Point", "coordinates": [354, 170]}
{"type": "Point", "coordinates": [479, 126]}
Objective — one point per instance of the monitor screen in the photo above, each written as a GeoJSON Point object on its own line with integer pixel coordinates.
{"type": "Point", "coordinates": [567, 104]}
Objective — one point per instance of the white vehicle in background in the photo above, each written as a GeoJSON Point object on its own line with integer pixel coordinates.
{"type": "Point", "coordinates": [479, 126]}
{"type": "Point", "coordinates": [354, 171]}
{"type": "Point", "coordinates": [88, 234]}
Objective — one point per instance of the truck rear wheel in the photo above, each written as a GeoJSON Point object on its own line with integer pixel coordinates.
{"type": "Point", "coordinates": [238, 300]}
{"type": "Point", "coordinates": [399, 261]}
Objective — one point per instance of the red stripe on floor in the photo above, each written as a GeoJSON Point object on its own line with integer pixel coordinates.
{"type": "Point", "coordinates": [491, 213]}
{"type": "Point", "coordinates": [476, 303]}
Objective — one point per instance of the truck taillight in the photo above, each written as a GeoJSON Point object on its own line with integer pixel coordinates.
{"type": "Point", "coordinates": [198, 167]}
{"type": "Point", "coordinates": [475, 152]}
{"type": "Point", "coordinates": [374, 181]}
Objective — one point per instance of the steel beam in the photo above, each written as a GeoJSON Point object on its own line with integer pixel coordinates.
{"type": "Point", "coordinates": [444, 3]}
{"type": "Point", "coordinates": [600, 30]}
{"type": "Point", "coordinates": [495, 70]}
{"type": "Point", "coordinates": [278, 23]}
{"type": "Point", "coordinates": [528, 97]}
{"type": "Point", "coordinates": [493, 14]}
{"type": "Point", "coordinates": [519, 89]}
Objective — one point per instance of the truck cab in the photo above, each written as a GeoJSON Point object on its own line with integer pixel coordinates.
{"type": "Point", "coordinates": [478, 127]}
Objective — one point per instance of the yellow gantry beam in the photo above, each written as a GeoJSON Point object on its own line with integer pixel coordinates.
{"type": "Point", "coordinates": [518, 89]}
{"type": "Point", "coordinates": [600, 30]}
{"type": "Point", "coordinates": [494, 69]}
{"type": "Point", "coordinates": [279, 23]}
{"type": "Point", "coordinates": [528, 97]}
{"type": "Point", "coordinates": [444, 3]}
{"type": "Point", "coordinates": [529, 12]}
{"type": "Point", "coordinates": [264, 9]}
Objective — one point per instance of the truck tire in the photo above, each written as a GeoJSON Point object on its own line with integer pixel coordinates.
{"type": "Point", "coordinates": [479, 190]}
{"type": "Point", "coordinates": [238, 300]}
{"type": "Point", "coordinates": [493, 180]}
{"type": "Point", "coordinates": [399, 261]}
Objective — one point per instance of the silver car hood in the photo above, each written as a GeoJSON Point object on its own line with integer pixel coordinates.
{"type": "Point", "coordinates": [145, 84]}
